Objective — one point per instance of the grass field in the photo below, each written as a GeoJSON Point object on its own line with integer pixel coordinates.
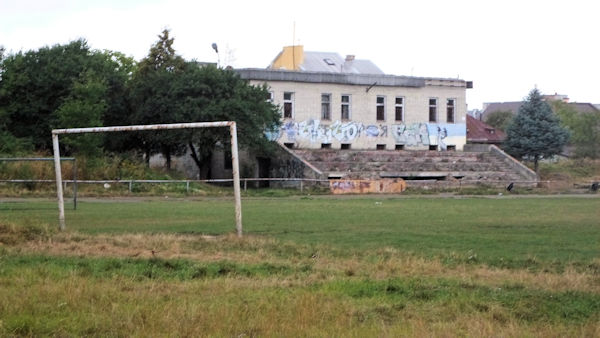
{"type": "Point", "coordinates": [309, 266]}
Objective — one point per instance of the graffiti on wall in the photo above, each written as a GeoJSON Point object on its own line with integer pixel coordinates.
{"type": "Point", "coordinates": [411, 135]}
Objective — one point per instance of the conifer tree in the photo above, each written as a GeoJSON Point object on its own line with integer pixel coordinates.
{"type": "Point", "coordinates": [535, 132]}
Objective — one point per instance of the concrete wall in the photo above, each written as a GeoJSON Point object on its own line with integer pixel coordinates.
{"type": "Point", "coordinates": [362, 130]}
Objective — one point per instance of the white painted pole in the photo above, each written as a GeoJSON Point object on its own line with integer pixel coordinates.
{"type": "Point", "coordinates": [236, 179]}
{"type": "Point", "coordinates": [59, 188]}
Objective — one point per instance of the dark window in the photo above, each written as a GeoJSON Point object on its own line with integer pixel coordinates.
{"type": "Point", "coordinates": [289, 145]}
{"type": "Point", "coordinates": [399, 146]}
{"type": "Point", "coordinates": [345, 146]}
{"type": "Point", "coordinates": [345, 107]}
{"type": "Point", "coordinates": [288, 105]}
{"type": "Point", "coordinates": [380, 108]}
{"type": "Point", "coordinates": [399, 109]}
{"type": "Point", "coordinates": [432, 147]}
{"type": "Point", "coordinates": [432, 110]}
{"type": "Point", "coordinates": [325, 145]}
{"type": "Point", "coordinates": [381, 147]}
{"type": "Point", "coordinates": [325, 106]}
{"type": "Point", "coordinates": [450, 110]}
{"type": "Point", "coordinates": [451, 148]}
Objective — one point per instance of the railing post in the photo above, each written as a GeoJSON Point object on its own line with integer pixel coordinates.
{"type": "Point", "coordinates": [74, 184]}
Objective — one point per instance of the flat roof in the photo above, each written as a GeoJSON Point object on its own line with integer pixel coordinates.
{"type": "Point", "coordinates": [344, 78]}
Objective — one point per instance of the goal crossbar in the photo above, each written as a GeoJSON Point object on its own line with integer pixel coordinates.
{"type": "Point", "coordinates": [234, 158]}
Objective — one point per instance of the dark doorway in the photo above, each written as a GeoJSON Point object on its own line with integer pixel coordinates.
{"type": "Point", "coordinates": [264, 170]}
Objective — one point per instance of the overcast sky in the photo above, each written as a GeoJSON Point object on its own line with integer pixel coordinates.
{"type": "Point", "coordinates": [505, 47]}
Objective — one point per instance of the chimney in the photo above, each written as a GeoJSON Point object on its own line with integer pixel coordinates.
{"type": "Point", "coordinates": [349, 58]}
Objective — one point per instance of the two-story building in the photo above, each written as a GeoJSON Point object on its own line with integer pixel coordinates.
{"type": "Point", "coordinates": [345, 103]}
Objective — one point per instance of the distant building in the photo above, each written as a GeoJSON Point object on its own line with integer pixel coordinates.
{"type": "Point", "coordinates": [346, 103]}
{"type": "Point", "coordinates": [478, 132]}
{"type": "Point", "coordinates": [513, 107]}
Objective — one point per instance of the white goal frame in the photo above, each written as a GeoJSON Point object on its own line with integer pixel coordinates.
{"type": "Point", "coordinates": [234, 158]}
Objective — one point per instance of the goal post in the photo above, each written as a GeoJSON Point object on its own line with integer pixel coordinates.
{"type": "Point", "coordinates": [234, 158]}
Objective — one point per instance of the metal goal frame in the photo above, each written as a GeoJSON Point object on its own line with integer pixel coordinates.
{"type": "Point", "coordinates": [234, 158]}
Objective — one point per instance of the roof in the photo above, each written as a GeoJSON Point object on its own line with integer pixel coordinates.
{"type": "Point", "coordinates": [514, 107]}
{"type": "Point", "coordinates": [500, 106]}
{"type": "Point", "coordinates": [480, 132]}
{"type": "Point", "coordinates": [370, 80]}
{"type": "Point", "coordinates": [334, 63]}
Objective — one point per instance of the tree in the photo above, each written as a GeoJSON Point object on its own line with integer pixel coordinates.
{"type": "Point", "coordinates": [206, 93]}
{"type": "Point", "coordinates": [151, 98]}
{"type": "Point", "coordinates": [499, 119]}
{"type": "Point", "coordinates": [38, 87]}
{"type": "Point", "coordinates": [535, 131]}
{"type": "Point", "coordinates": [584, 128]}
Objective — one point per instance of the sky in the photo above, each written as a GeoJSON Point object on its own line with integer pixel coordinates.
{"type": "Point", "coordinates": [506, 48]}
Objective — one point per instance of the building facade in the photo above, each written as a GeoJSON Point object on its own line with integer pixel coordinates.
{"type": "Point", "coordinates": [330, 102]}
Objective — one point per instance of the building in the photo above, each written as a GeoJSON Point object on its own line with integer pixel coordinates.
{"type": "Point", "coordinates": [514, 106]}
{"type": "Point", "coordinates": [345, 103]}
{"type": "Point", "coordinates": [479, 132]}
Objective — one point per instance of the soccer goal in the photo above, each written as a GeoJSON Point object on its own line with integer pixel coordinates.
{"type": "Point", "coordinates": [234, 158]}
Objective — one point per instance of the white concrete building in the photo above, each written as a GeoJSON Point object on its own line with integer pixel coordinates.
{"type": "Point", "coordinates": [330, 102]}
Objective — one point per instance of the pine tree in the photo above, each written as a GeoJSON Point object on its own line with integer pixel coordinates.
{"type": "Point", "coordinates": [535, 132]}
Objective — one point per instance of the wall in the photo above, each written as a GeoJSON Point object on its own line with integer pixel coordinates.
{"type": "Point", "coordinates": [363, 130]}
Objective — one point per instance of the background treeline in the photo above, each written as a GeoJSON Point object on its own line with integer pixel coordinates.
{"type": "Point", "coordinates": [72, 85]}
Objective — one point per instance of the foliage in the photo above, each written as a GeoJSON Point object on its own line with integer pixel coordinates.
{"type": "Point", "coordinates": [166, 89]}
{"type": "Point", "coordinates": [47, 88]}
{"type": "Point", "coordinates": [499, 119]}
{"type": "Point", "coordinates": [584, 128]}
{"type": "Point", "coordinates": [535, 131]}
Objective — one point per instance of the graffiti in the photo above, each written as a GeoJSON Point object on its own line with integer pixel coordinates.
{"type": "Point", "coordinates": [346, 132]}
{"type": "Point", "coordinates": [412, 135]}
{"type": "Point", "coordinates": [366, 186]}
{"type": "Point", "coordinates": [441, 135]}
{"type": "Point", "coordinates": [314, 131]}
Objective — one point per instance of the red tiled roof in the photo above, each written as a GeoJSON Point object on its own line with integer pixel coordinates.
{"type": "Point", "coordinates": [479, 132]}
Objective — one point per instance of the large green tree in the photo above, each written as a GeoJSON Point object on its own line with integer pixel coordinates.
{"type": "Point", "coordinates": [60, 86]}
{"type": "Point", "coordinates": [152, 100]}
{"type": "Point", "coordinates": [535, 132]}
{"type": "Point", "coordinates": [584, 128]}
{"type": "Point", "coordinates": [207, 93]}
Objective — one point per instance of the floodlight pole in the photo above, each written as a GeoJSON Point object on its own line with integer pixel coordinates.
{"type": "Point", "coordinates": [59, 186]}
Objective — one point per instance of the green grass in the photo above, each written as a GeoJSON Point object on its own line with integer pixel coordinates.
{"type": "Point", "coordinates": [546, 233]}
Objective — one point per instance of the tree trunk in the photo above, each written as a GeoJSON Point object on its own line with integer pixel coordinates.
{"type": "Point", "coordinates": [147, 152]}
{"type": "Point", "coordinates": [536, 164]}
{"type": "Point", "coordinates": [167, 153]}
{"type": "Point", "coordinates": [203, 163]}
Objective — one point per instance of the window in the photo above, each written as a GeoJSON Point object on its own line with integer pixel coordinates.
{"type": "Point", "coordinates": [288, 105]}
{"type": "Point", "coordinates": [325, 145]}
{"type": "Point", "coordinates": [432, 147]}
{"type": "Point", "coordinates": [450, 110]}
{"type": "Point", "coordinates": [381, 147]}
{"type": "Point", "coordinates": [325, 106]}
{"type": "Point", "coordinates": [269, 96]}
{"type": "Point", "coordinates": [345, 146]}
{"type": "Point", "coordinates": [345, 107]}
{"type": "Point", "coordinates": [432, 110]}
{"type": "Point", "coordinates": [399, 109]}
{"type": "Point", "coordinates": [380, 108]}
{"type": "Point", "coordinates": [450, 148]}
{"type": "Point", "coordinates": [289, 145]}
{"type": "Point", "coordinates": [399, 146]}
{"type": "Point", "coordinates": [329, 62]}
